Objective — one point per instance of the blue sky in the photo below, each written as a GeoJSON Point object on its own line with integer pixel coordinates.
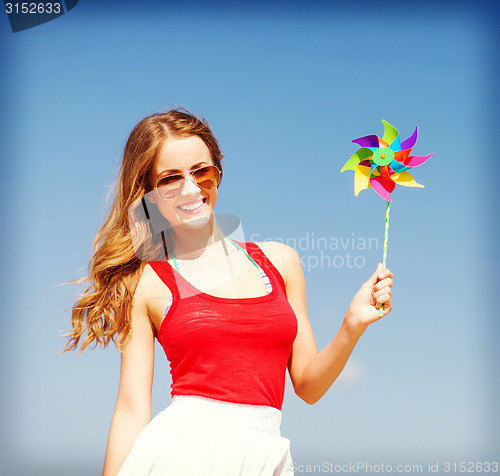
{"type": "Point", "coordinates": [286, 89]}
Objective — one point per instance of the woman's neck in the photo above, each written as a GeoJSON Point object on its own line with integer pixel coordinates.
{"type": "Point", "coordinates": [193, 243]}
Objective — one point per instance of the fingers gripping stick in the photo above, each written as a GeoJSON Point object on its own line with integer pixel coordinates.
{"type": "Point", "coordinates": [386, 237]}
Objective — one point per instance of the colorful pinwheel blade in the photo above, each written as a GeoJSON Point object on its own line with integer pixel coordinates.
{"type": "Point", "coordinates": [415, 160]}
{"type": "Point", "coordinates": [361, 179]}
{"type": "Point", "coordinates": [406, 179]}
{"type": "Point", "coordinates": [390, 133]}
{"type": "Point", "coordinates": [367, 141]}
{"type": "Point", "coordinates": [396, 144]}
{"type": "Point", "coordinates": [382, 143]}
{"type": "Point", "coordinates": [383, 187]}
{"type": "Point", "coordinates": [411, 141]}
{"type": "Point", "coordinates": [402, 156]}
{"type": "Point", "coordinates": [400, 159]}
{"type": "Point", "coordinates": [356, 158]}
{"type": "Point", "coordinates": [398, 167]}
{"type": "Point", "coordinates": [384, 172]}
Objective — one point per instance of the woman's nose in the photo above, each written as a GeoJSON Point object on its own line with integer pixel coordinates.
{"type": "Point", "coordinates": [190, 187]}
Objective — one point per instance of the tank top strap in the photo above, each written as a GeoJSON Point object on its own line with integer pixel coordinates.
{"type": "Point", "coordinates": [263, 261]}
{"type": "Point", "coordinates": [165, 273]}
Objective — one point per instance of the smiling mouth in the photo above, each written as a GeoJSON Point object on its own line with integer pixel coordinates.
{"type": "Point", "coordinates": [193, 207]}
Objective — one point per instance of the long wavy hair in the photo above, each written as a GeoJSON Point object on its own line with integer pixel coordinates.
{"type": "Point", "coordinates": [103, 311]}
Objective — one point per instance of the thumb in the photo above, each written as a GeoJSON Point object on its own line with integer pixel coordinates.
{"type": "Point", "coordinates": [374, 277]}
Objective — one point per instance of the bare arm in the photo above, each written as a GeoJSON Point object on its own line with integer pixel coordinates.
{"type": "Point", "coordinates": [133, 405]}
{"type": "Point", "coordinates": [312, 372]}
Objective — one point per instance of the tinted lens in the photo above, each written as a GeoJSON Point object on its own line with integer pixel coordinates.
{"type": "Point", "coordinates": [207, 177]}
{"type": "Point", "coordinates": [170, 186]}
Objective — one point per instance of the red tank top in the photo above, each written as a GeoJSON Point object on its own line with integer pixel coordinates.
{"type": "Point", "coordinates": [231, 349]}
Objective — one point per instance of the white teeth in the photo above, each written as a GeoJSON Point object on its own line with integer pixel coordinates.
{"type": "Point", "coordinates": [192, 206]}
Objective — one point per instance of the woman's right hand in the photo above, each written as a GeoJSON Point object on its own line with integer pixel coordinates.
{"type": "Point", "coordinates": [364, 308]}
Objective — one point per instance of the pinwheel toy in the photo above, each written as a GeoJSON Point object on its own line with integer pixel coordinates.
{"type": "Point", "coordinates": [381, 163]}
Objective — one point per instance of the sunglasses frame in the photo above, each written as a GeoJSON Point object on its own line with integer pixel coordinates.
{"type": "Point", "coordinates": [184, 178]}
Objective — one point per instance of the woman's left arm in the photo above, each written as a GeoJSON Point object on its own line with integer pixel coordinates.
{"type": "Point", "coordinates": [312, 372]}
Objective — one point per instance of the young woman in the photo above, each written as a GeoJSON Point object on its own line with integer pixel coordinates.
{"type": "Point", "coordinates": [230, 315]}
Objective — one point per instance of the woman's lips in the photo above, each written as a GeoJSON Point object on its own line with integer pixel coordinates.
{"type": "Point", "coordinates": [192, 207]}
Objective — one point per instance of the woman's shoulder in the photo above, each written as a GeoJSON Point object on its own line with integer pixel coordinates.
{"type": "Point", "coordinates": [152, 293]}
{"type": "Point", "coordinates": [150, 284]}
{"type": "Point", "coordinates": [276, 249]}
{"type": "Point", "coordinates": [283, 257]}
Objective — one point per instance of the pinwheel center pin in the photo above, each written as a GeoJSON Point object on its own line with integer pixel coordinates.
{"type": "Point", "coordinates": [383, 156]}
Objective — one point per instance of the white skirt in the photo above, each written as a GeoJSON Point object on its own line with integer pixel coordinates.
{"type": "Point", "coordinates": [198, 436]}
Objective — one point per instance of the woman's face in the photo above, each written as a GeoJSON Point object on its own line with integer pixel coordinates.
{"type": "Point", "coordinates": [193, 206]}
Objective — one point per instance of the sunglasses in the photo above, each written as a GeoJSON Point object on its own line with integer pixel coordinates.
{"type": "Point", "coordinates": [206, 177]}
